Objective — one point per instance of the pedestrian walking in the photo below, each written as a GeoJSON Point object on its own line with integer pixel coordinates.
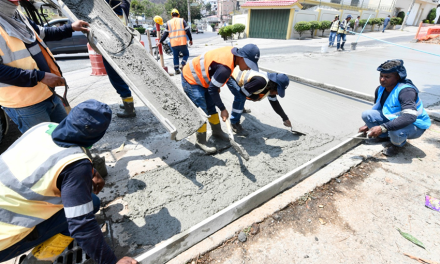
{"type": "Point", "coordinates": [178, 31]}
{"type": "Point", "coordinates": [333, 31]}
{"type": "Point", "coordinates": [342, 32]}
{"type": "Point", "coordinates": [356, 23]}
{"type": "Point", "coordinates": [398, 112]}
{"type": "Point", "coordinates": [385, 23]}
{"type": "Point", "coordinates": [28, 70]}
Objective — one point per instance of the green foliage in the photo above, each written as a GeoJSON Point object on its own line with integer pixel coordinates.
{"type": "Point", "coordinates": [352, 24]}
{"type": "Point", "coordinates": [238, 28]}
{"type": "Point", "coordinates": [147, 8]}
{"type": "Point", "coordinates": [431, 14]}
{"type": "Point", "coordinates": [401, 15]}
{"type": "Point", "coordinates": [140, 30]}
{"type": "Point", "coordinates": [395, 21]}
{"type": "Point", "coordinates": [208, 7]}
{"type": "Point", "coordinates": [362, 22]}
{"type": "Point", "coordinates": [213, 26]}
{"type": "Point", "coordinates": [226, 32]}
{"type": "Point", "coordinates": [323, 25]}
{"type": "Point", "coordinates": [301, 26]}
{"type": "Point", "coordinates": [182, 6]}
{"type": "Point", "coordinates": [432, 22]}
{"type": "Point", "coordinates": [399, 20]}
{"type": "Point", "coordinates": [193, 27]}
{"type": "Point", "coordinates": [313, 25]}
{"type": "Point", "coordinates": [426, 21]}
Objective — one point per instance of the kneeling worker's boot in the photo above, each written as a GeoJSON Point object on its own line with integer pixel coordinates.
{"type": "Point", "coordinates": [217, 131]}
{"type": "Point", "coordinates": [128, 108]}
{"type": "Point", "coordinates": [201, 141]}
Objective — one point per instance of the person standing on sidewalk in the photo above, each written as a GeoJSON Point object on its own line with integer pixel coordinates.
{"type": "Point", "coordinates": [398, 112]}
{"type": "Point", "coordinates": [356, 23]}
{"type": "Point", "coordinates": [333, 31]}
{"type": "Point", "coordinates": [178, 31]}
{"type": "Point", "coordinates": [385, 23]}
{"type": "Point", "coordinates": [437, 15]}
{"type": "Point", "coordinates": [255, 86]}
{"type": "Point", "coordinates": [28, 70]}
{"type": "Point", "coordinates": [122, 11]}
{"type": "Point", "coordinates": [342, 32]}
{"type": "Point", "coordinates": [202, 78]}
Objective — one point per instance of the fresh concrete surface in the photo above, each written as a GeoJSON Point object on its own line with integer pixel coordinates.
{"type": "Point", "coordinates": [359, 215]}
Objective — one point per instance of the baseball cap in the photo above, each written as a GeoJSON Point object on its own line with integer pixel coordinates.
{"type": "Point", "coordinates": [250, 53]}
{"type": "Point", "coordinates": [84, 126]}
{"type": "Point", "coordinates": [349, 16]}
{"type": "Point", "coordinates": [282, 80]}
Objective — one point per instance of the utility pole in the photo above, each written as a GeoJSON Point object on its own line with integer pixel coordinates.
{"type": "Point", "coordinates": [189, 14]}
{"type": "Point", "coordinates": [407, 15]}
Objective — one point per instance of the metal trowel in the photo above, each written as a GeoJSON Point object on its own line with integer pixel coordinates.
{"type": "Point", "coordinates": [297, 132]}
{"type": "Point", "coordinates": [236, 146]}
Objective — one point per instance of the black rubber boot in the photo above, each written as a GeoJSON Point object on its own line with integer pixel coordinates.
{"type": "Point", "coordinates": [218, 133]}
{"type": "Point", "coordinates": [338, 46]}
{"type": "Point", "coordinates": [201, 143]}
{"type": "Point", "coordinates": [239, 130]}
{"type": "Point", "coordinates": [129, 110]}
{"type": "Point", "coordinates": [246, 110]}
{"type": "Point", "coordinates": [342, 45]}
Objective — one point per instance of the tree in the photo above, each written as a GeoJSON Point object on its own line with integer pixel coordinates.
{"type": "Point", "coordinates": [208, 7]}
{"type": "Point", "coordinates": [182, 6]}
{"type": "Point", "coordinates": [137, 9]}
{"type": "Point", "coordinates": [431, 15]}
{"type": "Point", "coordinates": [301, 26]}
{"type": "Point", "coordinates": [325, 25]}
{"type": "Point", "coordinates": [313, 26]}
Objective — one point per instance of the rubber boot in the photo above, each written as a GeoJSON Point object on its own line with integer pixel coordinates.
{"type": "Point", "coordinates": [201, 141]}
{"type": "Point", "coordinates": [342, 46]}
{"type": "Point", "coordinates": [338, 46]}
{"type": "Point", "coordinates": [128, 108]}
{"type": "Point", "coordinates": [216, 127]}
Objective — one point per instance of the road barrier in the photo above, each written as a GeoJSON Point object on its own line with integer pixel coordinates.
{"type": "Point", "coordinates": [96, 61]}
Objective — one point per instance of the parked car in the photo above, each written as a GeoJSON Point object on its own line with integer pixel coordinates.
{"type": "Point", "coordinates": [153, 31]}
{"type": "Point", "coordinates": [76, 44]}
{"type": "Point", "coordinates": [199, 30]}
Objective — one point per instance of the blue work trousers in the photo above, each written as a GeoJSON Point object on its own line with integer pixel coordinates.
{"type": "Point", "coordinates": [121, 87]}
{"type": "Point", "coordinates": [375, 117]}
{"type": "Point", "coordinates": [56, 224]}
{"type": "Point", "coordinates": [384, 27]}
{"type": "Point", "coordinates": [176, 50]}
{"type": "Point", "coordinates": [239, 101]}
{"type": "Point", "coordinates": [200, 97]}
{"type": "Point", "coordinates": [342, 36]}
{"type": "Point", "coordinates": [331, 38]}
{"type": "Point", "coordinates": [50, 110]}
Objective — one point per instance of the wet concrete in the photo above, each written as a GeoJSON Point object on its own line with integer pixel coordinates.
{"type": "Point", "coordinates": [132, 59]}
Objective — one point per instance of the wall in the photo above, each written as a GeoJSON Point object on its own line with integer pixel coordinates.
{"type": "Point", "coordinates": [303, 15]}
{"type": "Point", "coordinates": [383, 14]}
{"type": "Point", "coordinates": [242, 19]}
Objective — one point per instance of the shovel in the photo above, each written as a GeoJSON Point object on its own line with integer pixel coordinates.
{"type": "Point", "coordinates": [236, 146]}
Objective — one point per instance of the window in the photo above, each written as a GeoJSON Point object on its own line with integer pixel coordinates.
{"type": "Point", "coordinates": [354, 2]}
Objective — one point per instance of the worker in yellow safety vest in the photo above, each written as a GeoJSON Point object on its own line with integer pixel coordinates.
{"type": "Point", "coordinates": [46, 184]}
{"type": "Point", "coordinates": [28, 70]}
{"type": "Point", "coordinates": [202, 78]}
{"type": "Point", "coordinates": [178, 31]}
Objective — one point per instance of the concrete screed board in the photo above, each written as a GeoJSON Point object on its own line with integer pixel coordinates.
{"type": "Point", "coordinates": [122, 49]}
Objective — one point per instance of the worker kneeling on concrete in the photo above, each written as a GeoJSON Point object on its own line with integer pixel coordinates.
{"type": "Point", "coordinates": [398, 112]}
{"type": "Point", "coordinates": [46, 185]}
{"type": "Point", "coordinates": [255, 86]}
{"type": "Point", "coordinates": [204, 75]}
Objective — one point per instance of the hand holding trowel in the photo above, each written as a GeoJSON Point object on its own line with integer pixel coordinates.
{"type": "Point", "coordinates": [287, 123]}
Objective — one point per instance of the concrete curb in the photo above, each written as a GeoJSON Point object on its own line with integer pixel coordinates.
{"type": "Point", "coordinates": [433, 114]}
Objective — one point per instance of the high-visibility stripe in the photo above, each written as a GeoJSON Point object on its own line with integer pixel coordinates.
{"type": "Point", "coordinates": [42, 32]}
{"type": "Point", "coordinates": [410, 111]}
{"type": "Point", "coordinates": [239, 76]}
{"type": "Point", "coordinates": [237, 111]}
{"type": "Point", "coordinates": [216, 83]}
{"type": "Point", "coordinates": [4, 85]}
{"type": "Point", "coordinates": [274, 99]}
{"type": "Point", "coordinates": [12, 218]}
{"type": "Point", "coordinates": [165, 30]}
{"type": "Point", "coordinates": [187, 28]}
{"type": "Point", "coordinates": [246, 77]}
{"type": "Point", "coordinates": [202, 67]}
{"type": "Point", "coordinates": [23, 187]}
{"type": "Point", "coordinates": [179, 36]}
{"type": "Point", "coordinates": [78, 210]}
{"type": "Point", "coordinates": [245, 92]}
{"type": "Point", "coordinates": [34, 50]}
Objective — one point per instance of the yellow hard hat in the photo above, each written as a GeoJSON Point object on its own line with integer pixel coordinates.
{"type": "Point", "coordinates": [175, 11]}
{"type": "Point", "coordinates": [158, 20]}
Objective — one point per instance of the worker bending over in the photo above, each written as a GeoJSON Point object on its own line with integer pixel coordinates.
{"type": "Point", "coordinates": [204, 75]}
{"type": "Point", "coordinates": [46, 183]}
{"type": "Point", "coordinates": [28, 70]}
{"type": "Point", "coordinates": [398, 112]}
{"type": "Point", "coordinates": [177, 29]}
{"type": "Point", "coordinates": [255, 86]}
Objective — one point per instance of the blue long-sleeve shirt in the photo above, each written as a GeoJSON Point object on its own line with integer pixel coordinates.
{"type": "Point", "coordinates": [29, 78]}
{"type": "Point", "coordinates": [75, 185]}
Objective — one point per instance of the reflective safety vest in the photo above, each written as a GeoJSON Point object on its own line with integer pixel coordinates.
{"type": "Point", "coordinates": [15, 54]}
{"type": "Point", "coordinates": [334, 26]}
{"type": "Point", "coordinates": [243, 77]}
{"type": "Point", "coordinates": [177, 33]}
{"type": "Point", "coordinates": [392, 108]}
{"type": "Point", "coordinates": [196, 71]}
{"type": "Point", "coordinates": [343, 27]}
{"type": "Point", "coordinates": [28, 182]}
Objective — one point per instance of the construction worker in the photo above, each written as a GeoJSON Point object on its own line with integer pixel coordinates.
{"type": "Point", "coordinates": [47, 182]}
{"type": "Point", "coordinates": [333, 31]}
{"type": "Point", "coordinates": [398, 113]}
{"type": "Point", "coordinates": [255, 86]}
{"type": "Point", "coordinates": [342, 32]}
{"type": "Point", "coordinates": [177, 29]}
{"type": "Point", "coordinates": [28, 70]}
{"type": "Point", "coordinates": [204, 75]}
{"type": "Point", "coordinates": [123, 11]}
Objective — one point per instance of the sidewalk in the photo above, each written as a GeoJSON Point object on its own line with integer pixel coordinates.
{"type": "Point", "coordinates": [351, 219]}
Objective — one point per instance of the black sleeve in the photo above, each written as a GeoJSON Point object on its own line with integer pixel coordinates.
{"type": "Point", "coordinates": [52, 33]}
{"type": "Point", "coordinates": [407, 99]}
{"type": "Point", "coordinates": [255, 84]}
{"type": "Point", "coordinates": [75, 184]}
{"type": "Point", "coordinates": [188, 30]}
{"type": "Point", "coordinates": [165, 34]}
{"type": "Point", "coordinates": [376, 93]}
{"type": "Point", "coordinates": [220, 77]}
{"type": "Point", "coordinates": [277, 107]}
{"type": "Point", "coordinates": [19, 77]}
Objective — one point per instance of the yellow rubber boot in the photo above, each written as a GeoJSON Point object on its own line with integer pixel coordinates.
{"type": "Point", "coordinates": [201, 141]}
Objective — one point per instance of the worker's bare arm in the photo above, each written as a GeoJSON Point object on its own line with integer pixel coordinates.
{"type": "Point", "coordinates": [363, 129]}
{"type": "Point", "coordinates": [127, 260]}
{"type": "Point", "coordinates": [53, 80]}
{"type": "Point", "coordinates": [80, 26]}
